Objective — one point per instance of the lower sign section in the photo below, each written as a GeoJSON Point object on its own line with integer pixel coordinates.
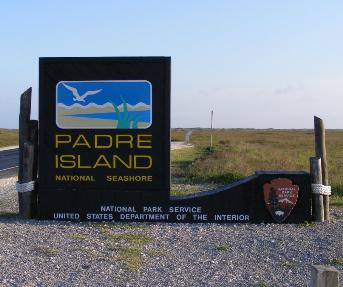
{"type": "Point", "coordinates": [258, 198]}
{"type": "Point", "coordinates": [154, 213]}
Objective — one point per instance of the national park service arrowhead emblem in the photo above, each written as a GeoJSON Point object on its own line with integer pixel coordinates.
{"type": "Point", "coordinates": [280, 197]}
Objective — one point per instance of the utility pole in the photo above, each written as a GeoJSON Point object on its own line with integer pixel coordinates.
{"type": "Point", "coordinates": [211, 127]}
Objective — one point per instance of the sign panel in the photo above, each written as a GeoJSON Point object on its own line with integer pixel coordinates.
{"type": "Point", "coordinates": [104, 132]}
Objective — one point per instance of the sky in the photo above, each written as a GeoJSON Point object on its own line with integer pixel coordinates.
{"type": "Point", "coordinates": [256, 64]}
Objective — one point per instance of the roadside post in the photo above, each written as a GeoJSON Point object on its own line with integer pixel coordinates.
{"type": "Point", "coordinates": [27, 173]}
{"type": "Point", "coordinates": [320, 148]}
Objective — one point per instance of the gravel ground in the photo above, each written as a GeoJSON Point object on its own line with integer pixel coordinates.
{"type": "Point", "coordinates": [49, 253]}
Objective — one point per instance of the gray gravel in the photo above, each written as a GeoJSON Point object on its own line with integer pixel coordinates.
{"type": "Point", "coordinates": [49, 253]}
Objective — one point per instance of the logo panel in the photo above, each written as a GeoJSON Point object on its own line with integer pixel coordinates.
{"type": "Point", "coordinates": [104, 104]}
{"type": "Point", "coordinates": [280, 197]}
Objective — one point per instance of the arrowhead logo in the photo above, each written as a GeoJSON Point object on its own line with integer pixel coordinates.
{"type": "Point", "coordinates": [280, 197]}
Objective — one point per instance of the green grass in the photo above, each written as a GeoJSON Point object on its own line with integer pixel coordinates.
{"type": "Point", "coordinates": [262, 284]}
{"type": "Point", "coordinates": [45, 251]}
{"type": "Point", "coordinates": [130, 257]}
{"type": "Point", "coordinates": [181, 161]}
{"type": "Point", "coordinates": [130, 254]}
{"type": "Point", "coordinates": [8, 137]}
{"type": "Point", "coordinates": [127, 248]}
{"type": "Point", "coordinates": [78, 237]}
{"type": "Point", "coordinates": [223, 248]}
{"type": "Point", "coordinates": [336, 200]}
{"type": "Point", "coordinates": [237, 153]}
{"type": "Point", "coordinates": [337, 261]}
{"type": "Point", "coordinates": [136, 239]}
{"type": "Point", "coordinates": [6, 214]}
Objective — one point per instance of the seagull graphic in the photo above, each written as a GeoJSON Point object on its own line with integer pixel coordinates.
{"type": "Point", "coordinates": [77, 97]}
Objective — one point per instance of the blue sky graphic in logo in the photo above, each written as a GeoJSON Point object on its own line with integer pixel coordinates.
{"type": "Point", "coordinates": [104, 104]}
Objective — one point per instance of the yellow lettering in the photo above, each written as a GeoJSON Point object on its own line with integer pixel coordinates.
{"type": "Point", "coordinates": [67, 161]}
{"type": "Point", "coordinates": [63, 139]}
{"type": "Point", "coordinates": [135, 161]}
{"type": "Point", "coordinates": [124, 141]}
{"type": "Point", "coordinates": [84, 141]}
{"type": "Point", "coordinates": [127, 165]}
{"type": "Point", "coordinates": [144, 143]}
{"type": "Point", "coordinates": [96, 141]}
{"type": "Point", "coordinates": [105, 162]}
{"type": "Point", "coordinates": [79, 163]}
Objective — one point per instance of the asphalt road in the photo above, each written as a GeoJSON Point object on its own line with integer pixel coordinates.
{"type": "Point", "coordinates": [9, 162]}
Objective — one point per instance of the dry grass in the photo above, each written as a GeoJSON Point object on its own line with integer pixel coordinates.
{"type": "Point", "coordinates": [238, 153]}
{"type": "Point", "coordinates": [8, 137]}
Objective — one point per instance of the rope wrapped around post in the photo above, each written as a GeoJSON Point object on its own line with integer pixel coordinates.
{"type": "Point", "coordinates": [25, 186]}
{"type": "Point", "coordinates": [321, 189]}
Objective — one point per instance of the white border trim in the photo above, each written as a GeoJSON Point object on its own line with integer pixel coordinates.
{"type": "Point", "coordinates": [103, 81]}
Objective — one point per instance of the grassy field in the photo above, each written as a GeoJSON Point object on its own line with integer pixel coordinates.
{"type": "Point", "coordinates": [238, 153]}
{"type": "Point", "coordinates": [8, 137]}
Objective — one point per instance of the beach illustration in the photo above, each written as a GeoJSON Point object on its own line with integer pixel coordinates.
{"type": "Point", "coordinates": [103, 104]}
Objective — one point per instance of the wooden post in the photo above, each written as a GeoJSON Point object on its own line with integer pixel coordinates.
{"type": "Point", "coordinates": [319, 132]}
{"type": "Point", "coordinates": [317, 199]}
{"type": "Point", "coordinates": [24, 127]}
{"type": "Point", "coordinates": [27, 200]}
{"type": "Point", "coordinates": [27, 171]}
{"type": "Point", "coordinates": [324, 276]}
{"type": "Point", "coordinates": [211, 128]}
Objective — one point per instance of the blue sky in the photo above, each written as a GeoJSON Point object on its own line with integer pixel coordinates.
{"type": "Point", "coordinates": [257, 64]}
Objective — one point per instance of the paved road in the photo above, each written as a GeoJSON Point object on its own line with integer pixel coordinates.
{"type": "Point", "coordinates": [9, 158]}
{"type": "Point", "coordinates": [9, 162]}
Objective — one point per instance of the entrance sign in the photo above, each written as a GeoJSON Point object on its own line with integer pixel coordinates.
{"type": "Point", "coordinates": [104, 152]}
{"type": "Point", "coordinates": [104, 132]}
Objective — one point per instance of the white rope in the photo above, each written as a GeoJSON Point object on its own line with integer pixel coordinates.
{"type": "Point", "coordinates": [318, 188]}
{"type": "Point", "coordinates": [25, 186]}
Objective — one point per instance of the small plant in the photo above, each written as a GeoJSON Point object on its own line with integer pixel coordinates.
{"type": "Point", "coordinates": [132, 238]}
{"type": "Point", "coordinates": [45, 251]}
{"type": "Point", "coordinates": [337, 261]}
{"type": "Point", "coordinates": [288, 264]}
{"type": "Point", "coordinates": [128, 249]}
{"type": "Point", "coordinates": [124, 119]}
{"type": "Point", "coordinates": [130, 257]}
{"type": "Point", "coordinates": [78, 236]}
{"type": "Point", "coordinates": [308, 224]}
{"type": "Point", "coordinates": [7, 214]}
{"type": "Point", "coordinates": [223, 248]}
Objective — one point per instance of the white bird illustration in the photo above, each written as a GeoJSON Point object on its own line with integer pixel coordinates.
{"type": "Point", "coordinates": [77, 97]}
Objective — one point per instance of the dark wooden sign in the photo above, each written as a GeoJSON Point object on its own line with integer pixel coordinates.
{"type": "Point", "coordinates": [104, 152]}
{"type": "Point", "coordinates": [104, 132]}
